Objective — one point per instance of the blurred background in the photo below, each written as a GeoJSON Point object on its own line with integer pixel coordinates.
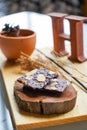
{"type": "Point", "coordinates": [76, 7]}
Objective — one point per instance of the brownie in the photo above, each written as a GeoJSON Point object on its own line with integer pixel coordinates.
{"type": "Point", "coordinates": [39, 79]}
{"type": "Point", "coordinates": [57, 84]}
{"type": "Point", "coordinates": [44, 80]}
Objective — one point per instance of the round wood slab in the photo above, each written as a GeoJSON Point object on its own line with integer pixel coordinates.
{"type": "Point", "coordinates": [45, 104]}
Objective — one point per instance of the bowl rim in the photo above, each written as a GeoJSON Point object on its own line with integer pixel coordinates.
{"type": "Point", "coordinates": [22, 37]}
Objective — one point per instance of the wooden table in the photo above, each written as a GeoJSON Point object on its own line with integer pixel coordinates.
{"type": "Point", "coordinates": [9, 72]}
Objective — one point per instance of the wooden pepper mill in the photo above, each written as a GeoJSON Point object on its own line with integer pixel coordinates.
{"type": "Point", "coordinates": [75, 37]}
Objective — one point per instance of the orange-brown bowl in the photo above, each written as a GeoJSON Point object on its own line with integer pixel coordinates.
{"type": "Point", "coordinates": [13, 46]}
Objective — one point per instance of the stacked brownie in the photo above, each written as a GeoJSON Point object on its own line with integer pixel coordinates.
{"type": "Point", "coordinates": [43, 81]}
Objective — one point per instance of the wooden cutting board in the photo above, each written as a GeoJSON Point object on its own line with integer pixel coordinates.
{"type": "Point", "coordinates": [22, 120]}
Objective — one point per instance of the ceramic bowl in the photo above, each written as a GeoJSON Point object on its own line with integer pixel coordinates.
{"type": "Point", "coordinates": [12, 47]}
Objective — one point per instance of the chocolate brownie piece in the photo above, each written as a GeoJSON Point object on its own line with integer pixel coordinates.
{"type": "Point", "coordinates": [39, 79]}
{"type": "Point", "coordinates": [57, 84]}
{"type": "Point", "coordinates": [44, 80]}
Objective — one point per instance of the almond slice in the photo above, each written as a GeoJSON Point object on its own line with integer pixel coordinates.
{"type": "Point", "coordinates": [41, 78]}
{"type": "Point", "coordinates": [51, 72]}
{"type": "Point", "coordinates": [28, 77]}
{"type": "Point", "coordinates": [53, 84]}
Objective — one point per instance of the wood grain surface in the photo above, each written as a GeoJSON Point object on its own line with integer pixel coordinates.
{"type": "Point", "coordinates": [22, 120]}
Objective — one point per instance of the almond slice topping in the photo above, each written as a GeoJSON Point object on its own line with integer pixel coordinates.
{"type": "Point", "coordinates": [53, 84]}
{"type": "Point", "coordinates": [28, 77]}
{"type": "Point", "coordinates": [51, 72]}
{"type": "Point", "coordinates": [41, 78]}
